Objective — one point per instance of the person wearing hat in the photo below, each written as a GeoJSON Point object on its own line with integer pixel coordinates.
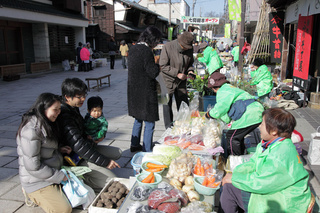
{"type": "Point", "coordinates": [196, 47]}
{"type": "Point", "coordinates": [211, 59]}
{"type": "Point", "coordinates": [176, 63]}
{"type": "Point", "coordinates": [237, 108]}
{"type": "Point", "coordinates": [262, 78]}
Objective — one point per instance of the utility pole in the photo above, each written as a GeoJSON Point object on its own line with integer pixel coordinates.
{"type": "Point", "coordinates": [193, 5]}
{"type": "Point", "coordinates": [241, 43]}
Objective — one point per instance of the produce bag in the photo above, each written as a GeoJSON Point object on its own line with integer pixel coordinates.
{"type": "Point", "coordinates": [163, 95]}
{"type": "Point", "coordinates": [233, 161]}
{"type": "Point", "coordinates": [74, 189]}
{"type": "Point", "coordinates": [314, 148]}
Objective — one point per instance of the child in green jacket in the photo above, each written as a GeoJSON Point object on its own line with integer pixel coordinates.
{"type": "Point", "coordinates": [96, 125]}
{"type": "Point", "coordinates": [274, 179]}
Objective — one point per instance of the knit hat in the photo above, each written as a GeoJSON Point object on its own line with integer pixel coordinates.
{"type": "Point", "coordinates": [217, 80]}
{"type": "Point", "coordinates": [186, 40]}
{"type": "Point", "coordinates": [257, 62]}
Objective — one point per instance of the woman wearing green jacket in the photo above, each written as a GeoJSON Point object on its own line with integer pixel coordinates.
{"type": "Point", "coordinates": [237, 108]}
{"type": "Point", "coordinates": [262, 78]}
{"type": "Point", "coordinates": [274, 180]}
{"type": "Point", "coordinates": [211, 59]}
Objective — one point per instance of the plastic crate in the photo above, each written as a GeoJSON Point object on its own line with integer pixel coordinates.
{"type": "Point", "coordinates": [136, 162]}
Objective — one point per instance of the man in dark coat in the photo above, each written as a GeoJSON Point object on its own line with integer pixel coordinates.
{"type": "Point", "coordinates": [142, 88]}
{"type": "Point", "coordinates": [176, 62]}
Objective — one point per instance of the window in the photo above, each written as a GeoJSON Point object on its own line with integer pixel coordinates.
{"type": "Point", "coordinates": [100, 10]}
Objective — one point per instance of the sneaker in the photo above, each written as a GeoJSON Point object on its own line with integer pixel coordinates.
{"type": "Point", "coordinates": [135, 148]}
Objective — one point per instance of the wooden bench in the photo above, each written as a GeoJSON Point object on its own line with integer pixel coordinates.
{"type": "Point", "coordinates": [99, 81]}
{"type": "Point", "coordinates": [12, 70]}
{"type": "Point", "coordinates": [40, 66]}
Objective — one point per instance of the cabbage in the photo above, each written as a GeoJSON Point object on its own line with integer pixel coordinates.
{"type": "Point", "coordinates": [171, 151]}
{"type": "Point", "coordinates": [160, 158]}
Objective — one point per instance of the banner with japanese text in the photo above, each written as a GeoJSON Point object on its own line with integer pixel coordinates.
{"type": "Point", "coordinates": [234, 9]}
{"type": "Point", "coordinates": [227, 30]}
{"type": "Point", "coordinates": [199, 20]}
{"type": "Point", "coordinates": [303, 50]}
{"type": "Point", "coordinates": [276, 23]}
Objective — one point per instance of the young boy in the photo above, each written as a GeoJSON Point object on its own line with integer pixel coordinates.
{"type": "Point", "coordinates": [274, 180]}
{"type": "Point", "coordinates": [96, 125]}
{"type": "Point", "coordinates": [99, 158]}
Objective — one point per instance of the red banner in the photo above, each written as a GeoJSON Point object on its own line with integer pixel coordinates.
{"type": "Point", "coordinates": [303, 50]}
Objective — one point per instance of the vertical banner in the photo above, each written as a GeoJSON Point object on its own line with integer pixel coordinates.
{"type": "Point", "coordinates": [234, 9]}
{"type": "Point", "coordinates": [227, 30]}
{"type": "Point", "coordinates": [276, 23]}
{"type": "Point", "coordinates": [170, 31]}
{"type": "Point", "coordinates": [303, 50]}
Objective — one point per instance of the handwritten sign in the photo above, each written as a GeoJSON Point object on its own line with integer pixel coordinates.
{"type": "Point", "coordinates": [199, 20]}
{"type": "Point", "coordinates": [276, 35]}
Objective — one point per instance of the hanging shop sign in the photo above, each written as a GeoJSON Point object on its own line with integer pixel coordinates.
{"type": "Point", "coordinates": [303, 50]}
{"type": "Point", "coordinates": [199, 20]}
{"type": "Point", "coordinates": [276, 35]}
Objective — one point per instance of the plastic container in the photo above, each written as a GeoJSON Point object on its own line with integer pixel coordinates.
{"type": "Point", "coordinates": [136, 162]}
{"type": "Point", "coordinates": [205, 101]}
{"type": "Point", "coordinates": [157, 177]}
{"type": "Point", "coordinates": [144, 166]}
{"type": "Point", "coordinates": [203, 189]}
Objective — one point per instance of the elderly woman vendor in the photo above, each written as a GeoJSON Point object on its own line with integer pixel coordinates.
{"type": "Point", "coordinates": [274, 180]}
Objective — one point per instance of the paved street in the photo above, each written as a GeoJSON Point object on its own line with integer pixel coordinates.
{"type": "Point", "coordinates": [18, 96]}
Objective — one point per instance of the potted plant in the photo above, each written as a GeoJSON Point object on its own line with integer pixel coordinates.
{"type": "Point", "coordinates": [200, 84]}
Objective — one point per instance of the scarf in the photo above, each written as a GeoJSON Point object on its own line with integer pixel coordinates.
{"type": "Point", "coordinates": [266, 144]}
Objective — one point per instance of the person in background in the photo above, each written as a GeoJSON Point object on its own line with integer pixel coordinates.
{"type": "Point", "coordinates": [143, 68]}
{"type": "Point", "coordinates": [221, 47]}
{"type": "Point", "coordinates": [112, 46]}
{"type": "Point", "coordinates": [91, 53]}
{"type": "Point", "coordinates": [262, 78]}
{"type": "Point", "coordinates": [235, 54]}
{"type": "Point", "coordinates": [79, 61]}
{"type": "Point", "coordinates": [85, 57]}
{"type": "Point", "coordinates": [237, 108]}
{"type": "Point", "coordinates": [227, 48]}
{"type": "Point", "coordinates": [211, 59]}
{"type": "Point", "coordinates": [39, 158]}
{"type": "Point", "coordinates": [99, 158]}
{"type": "Point", "coordinates": [274, 179]}
{"type": "Point", "coordinates": [96, 125]}
{"type": "Point", "coordinates": [124, 49]}
{"type": "Point", "coordinates": [196, 47]}
{"type": "Point", "coordinates": [176, 63]}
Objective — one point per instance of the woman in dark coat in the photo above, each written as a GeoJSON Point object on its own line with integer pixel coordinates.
{"type": "Point", "coordinates": [143, 68]}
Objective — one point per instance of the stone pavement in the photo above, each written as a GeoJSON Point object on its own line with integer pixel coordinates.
{"type": "Point", "coordinates": [18, 96]}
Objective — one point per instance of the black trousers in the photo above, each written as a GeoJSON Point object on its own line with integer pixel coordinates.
{"type": "Point", "coordinates": [112, 57]}
{"type": "Point", "coordinates": [235, 139]}
{"type": "Point", "coordinates": [180, 94]}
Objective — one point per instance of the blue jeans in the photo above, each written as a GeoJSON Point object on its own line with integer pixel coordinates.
{"type": "Point", "coordinates": [124, 62]}
{"type": "Point", "coordinates": [148, 135]}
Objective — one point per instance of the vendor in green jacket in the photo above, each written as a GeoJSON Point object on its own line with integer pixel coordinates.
{"type": "Point", "coordinates": [262, 78]}
{"type": "Point", "coordinates": [235, 54]}
{"type": "Point", "coordinates": [274, 180]}
{"type": "Point", "coordinates": [211, 59]}
{"type": "Point", "coordinates": [237, 108]}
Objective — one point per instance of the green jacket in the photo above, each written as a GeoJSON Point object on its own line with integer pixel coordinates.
{"type": "Point", "coordinates": [226, 96]}
{"type": "Point", "coordinates": [96, 127]}
{"type": "Point", "coordinates": [263, 79]}
{"type": "Point", "coordinates": [211, 59]}
{"type": "Point", "coordinates": [235, 53]}
{"type": "Point", "coordinates": [276, 179]}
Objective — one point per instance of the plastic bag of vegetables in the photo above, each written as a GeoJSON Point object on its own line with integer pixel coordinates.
{"type": "Point", "coordinates": [170, 151]}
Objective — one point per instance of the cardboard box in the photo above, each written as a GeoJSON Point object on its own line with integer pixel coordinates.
{"type": "Point", "coordinates": [94, 209]}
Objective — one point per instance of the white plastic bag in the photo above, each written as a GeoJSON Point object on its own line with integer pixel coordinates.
{"type": "Point", "coordinates": [314, 148]}
{"type": "Point", "coordinates": [66, 65]}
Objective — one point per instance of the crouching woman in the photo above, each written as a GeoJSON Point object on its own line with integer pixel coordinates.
{"type": "Point", "coordinates": [274, 180]}
{"type": "Point", "coordinates": [39, 158]}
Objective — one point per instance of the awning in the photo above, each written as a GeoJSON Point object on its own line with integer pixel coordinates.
{"type": "Point", "coordinates": [124, 28]}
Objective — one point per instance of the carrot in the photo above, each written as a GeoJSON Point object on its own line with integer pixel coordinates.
{"type": "Point", "coordinates": [196, 147]}
{"type": "Point", "coordinates": [184, 145]}
{"type": "Point", "coordinates": [154, 169]}
{"type": "Point", "coordinates": [148, 178]}
{"type": "Point", "coordinates": [153, 165]}
{"type": "Point", "coordinates": [201, 171]}
{"type": "Point", "coordinates": [170, 142]}
{"type": "Point", "coordinates": [205, 181]}
{"type": "Point", "coordinates": [152, 180]}
{"type": "Point", "coordinates": [197, 167]}
{"type": "Point", "coordinates": [215, 184]}
{"type": "Point", "coordinates": [211, 181]}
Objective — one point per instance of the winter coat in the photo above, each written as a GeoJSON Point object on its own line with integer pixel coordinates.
{"type": "Point", "coordinates": [263, 79]}
{"type": "Point", "coordinates": [39, 158]}
{"type": "Point", "coordinates": [235, 52]}
{"type": "Point", "coordinates": [211, 59]}
{"type": "Point", "coordinates": [71, 125]}
{"type": "Point", "coordinates": [96, 127]}
{"type": "Point", "coordinates": [276, 179]}
{"type": "Point", "coordinates": [228, 95]}
{"type": "Point", "coordinates": [85, 54]}
{"type": "Point", "coordinates": [142, 86]}
{"type": "Point", "coordinates": [174, 60]}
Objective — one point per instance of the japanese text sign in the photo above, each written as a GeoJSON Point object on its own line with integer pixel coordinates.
{"type": "Point", "coordinates": [199, 20]}
{"type": "Point", "coordinates": [303, 50]}
{"type": "Point", "coordinates": [276, 21]}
